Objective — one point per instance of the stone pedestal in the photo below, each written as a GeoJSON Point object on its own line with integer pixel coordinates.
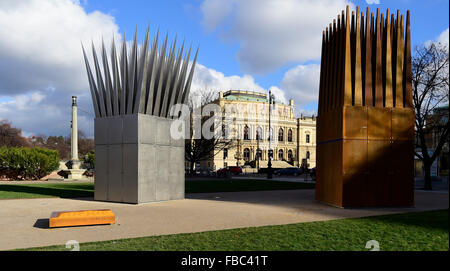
{"type": "Point", "coordinates": [75, 174]}
{"type": "Point", "coordinates": [136, 160]}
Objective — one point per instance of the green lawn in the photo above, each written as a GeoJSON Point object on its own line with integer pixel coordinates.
{"type": "Point", "coordinates": [42, 190]}
{"type": "Point", "coordinates": [74, 190]}
{"type": "Point", "coordinates": [411, 231]}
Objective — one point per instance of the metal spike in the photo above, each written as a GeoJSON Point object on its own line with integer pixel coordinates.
{"type": "Point", "coordinates": [139, 103]}
{"type": "Point", "coordinates": [132, 80]}
{"type": "Point", "coordinates": [116, 79]}
{"type": "Point", "coordinates": [100, 85]}
{"type": "Point", "coordinates": [92, 85]}
{"type": "Point", "coordinates": [191, 75]}
{"type": "Point", "coordinates": [159, 77]}
{"type": "Point", "coordinates": [108, 83]}
{"type": "Point", "coordinates": [124, 76]}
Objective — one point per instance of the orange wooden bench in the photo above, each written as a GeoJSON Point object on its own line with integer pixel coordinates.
{"type": "Point", "coordinates": [81, 218]}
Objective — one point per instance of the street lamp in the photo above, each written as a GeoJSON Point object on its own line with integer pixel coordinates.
{"type": "Point", "coordinates": [269, 164]}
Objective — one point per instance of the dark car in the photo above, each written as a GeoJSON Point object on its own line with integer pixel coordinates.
{"type": "Point", "coordinates": [291, 171]}
{"type": "Point", "coordinates": [234, 170]}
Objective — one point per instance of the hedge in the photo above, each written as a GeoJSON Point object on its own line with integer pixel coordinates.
{"type": "Point", "coordinates": [22, 163]}
{"type": "Point", "coordinates": [90, 159]}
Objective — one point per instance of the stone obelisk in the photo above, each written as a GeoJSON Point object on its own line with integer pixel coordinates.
{"type": "Point", "coordinates": [74, 172]}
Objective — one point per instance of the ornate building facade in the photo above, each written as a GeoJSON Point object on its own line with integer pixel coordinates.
{"type": "Point", "coordinates": [292, 139]}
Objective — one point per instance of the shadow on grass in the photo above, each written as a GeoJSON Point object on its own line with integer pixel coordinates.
{"type": "Point", "coordinates": [437, 220]}
{"type": "Point", "coordinates": [66, 191]}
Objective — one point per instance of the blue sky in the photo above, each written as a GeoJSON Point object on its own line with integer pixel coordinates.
{"type": "Point", "coordinates": [429, 19]}
{"type": "Point", "coordinates": [247, 44]}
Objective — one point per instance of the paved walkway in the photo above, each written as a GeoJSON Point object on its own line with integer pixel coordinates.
{"type": "Point", "coordinates": [24, 222]}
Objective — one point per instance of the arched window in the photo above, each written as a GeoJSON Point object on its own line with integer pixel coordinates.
{"type": "Point", "coordinates": [246, 154]}
{"type": "Point", "coordinates": [246, 133]}
{"type": "Point", "coordinates": [259, 133]}
{"type": "Point", "coordinates": [281, 135]}
{"type": "Point", "coordinates": [280, 155]}
{"type": "Point", "coordinates": [290, 156]}
{"type": "Point", "coordinates": [290, 135]}
{"type": "Point", "coordinates": [258, 154]}
{"type": "Point", "coordinates": [307, 155]}
{"type": "Point", "coordinates": [307, 138]}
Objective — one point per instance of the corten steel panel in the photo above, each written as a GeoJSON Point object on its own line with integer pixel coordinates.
{"type": "Point", "coordinates": [355, 122]}
{"type": "Point", "coordinates": [379, 123]}
{"type": "Point", "coordinates": [319, 170]}
{"type": "Point", "coordinates": [329, 180]}
{"type": "Point", "coordinates": [336, 174]}
{"type": "Point", "coordinates": [402, 179]}
{"type": "Point", "coordinates": [323, 130]}
{"type": "Point", "coordinates": [337, 123]}
{"type": "Point", "coordinates": [402, 124]}
{"type": "Point", "coordinates": [378, 155]}
{"type": "Point", "coordinates": [354, 167]}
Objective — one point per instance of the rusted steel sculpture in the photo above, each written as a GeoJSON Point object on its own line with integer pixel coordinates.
{"type": "Point", "coordinates": [365, 127]}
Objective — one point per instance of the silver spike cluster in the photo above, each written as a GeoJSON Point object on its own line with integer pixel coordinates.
{"type": "Point", "coordinates": [148, 82]}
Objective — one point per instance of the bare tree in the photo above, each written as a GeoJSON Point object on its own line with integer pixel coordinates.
{"type": "Point", "coordinates": [85, 144]}
{"type": "Point", "coordinates": [430, 82]}
{"type": "Point", "coordinates": [11, 136]}
{"type": "Point", "coordinates": [201, 149]}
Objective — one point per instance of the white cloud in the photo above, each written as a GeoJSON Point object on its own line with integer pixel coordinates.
{"type": "Point", "coordinates": [272, 33]}
{"type": "Point", "coordinates": [443, 37]}
{"type": "Point", "coordinates": [206, 79]}
{"type": "Point", "coordinates": [41, 62]}
{"type": "Point", "coordinates": [373, 2]}
{"type": "Point", "coordinates": [214, 12]}
{"type": "Point", "coordinates": [301, 83]}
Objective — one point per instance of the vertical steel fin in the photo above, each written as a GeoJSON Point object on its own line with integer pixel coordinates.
{"type": "Point", "coordinates": [108, 83]}
{"type": "Point", "coordinates": [347, 66]}
{"type": "Point", "coordinates": [407, 82]}
{"type": "Point", "coordinates": [189, 80]}
{"type": "Point", "coordinates": [92, 85]}
{"type": "Point", "coordinates": [124, 77]}
{"type": "Point", "coordinates": [378, 99]}
{"type": "Point", "coordinates": [358, 74]}
{"type": "Point", "coordinates": [139, 102]}
{"type": "Point", "coordinates": [388, 83]}
{"type": "Point", "coordinates": [116, 79]}
{"type": "Point", "coordinates": [132, 74]}
{"type": "Point", "coordinates": [100, 85]}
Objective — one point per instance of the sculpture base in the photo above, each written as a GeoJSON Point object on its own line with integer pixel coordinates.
{"type": "Point", "coordinates": [365, 157]}
{"type": "Point", "coordinates": [136, 160]}
{"type": "Point", "coordinates": [75, 174]}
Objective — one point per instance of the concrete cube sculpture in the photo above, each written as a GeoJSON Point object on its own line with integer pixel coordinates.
{"type": "Point", "coordinates": [365, 124]}
{"type": "Point", "coordinates": [136, 159]}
